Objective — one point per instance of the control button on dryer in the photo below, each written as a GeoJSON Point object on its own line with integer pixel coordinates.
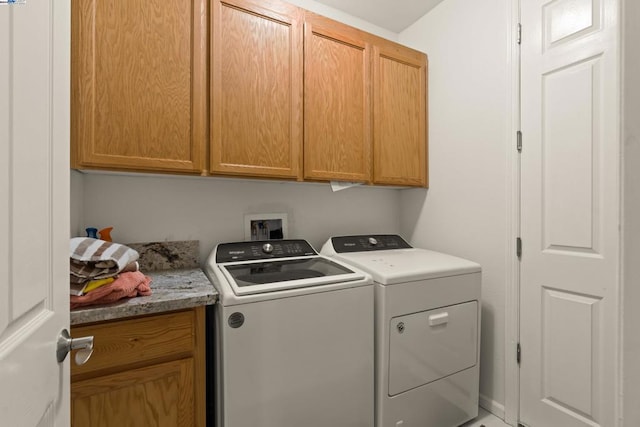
{"type": "Point", "coordinates": [373, 241]}
{"type": "Point", "coordinates": [267, 248]}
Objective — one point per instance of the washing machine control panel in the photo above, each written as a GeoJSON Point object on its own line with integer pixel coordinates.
{"type": "Point", "coordinates": [363, 243]}
{"type": "Point", "coordinates": [247, 251]}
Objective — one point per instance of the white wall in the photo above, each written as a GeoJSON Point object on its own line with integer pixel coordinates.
{"type": "Point", "coordinates": [77, 201]}
{"type": "Point", "coordinates": [144, 208]}
{"type": "Point", "coordinates": [466, 210]}
{"type": "Point", "coordinates": [631, 212]}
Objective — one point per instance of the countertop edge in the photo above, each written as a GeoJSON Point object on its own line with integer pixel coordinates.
{"type": "Point", "coordinates": [173, 290]}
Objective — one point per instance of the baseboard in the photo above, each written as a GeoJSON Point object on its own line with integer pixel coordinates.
{"type": "Point", "coordinates": [492, 406]}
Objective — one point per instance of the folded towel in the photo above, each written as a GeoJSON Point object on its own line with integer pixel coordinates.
{"type": "Point", "coordinates": [92, 259]}
{"type": "Point", "coordinates": [95, 284]}
{"type": "Point", "coordinates": [127, 285]}
{"type": "Point", "coordinates": [83, 288]}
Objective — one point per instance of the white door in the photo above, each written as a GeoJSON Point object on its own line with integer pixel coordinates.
{"type": "Point", "coordinates": [570, 213]}
{"type": "Point", "coordinates": [34, 211]}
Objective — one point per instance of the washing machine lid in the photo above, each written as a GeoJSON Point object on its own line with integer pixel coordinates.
{"type": "Point", "coordinates": [390, 259]}
{"type": "Point", "coordinates": [269, 266]}
{"type": "Point", "coordinates": [269, 276]}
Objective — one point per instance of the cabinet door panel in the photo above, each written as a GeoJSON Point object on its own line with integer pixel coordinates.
{"type": "Point", "coordinates": [147, 370]}
{"type": "Point", "coordinates": [139, 84]}
{"type": "Point", "coordinates": [256, 104]}
{"type": "Point", "coordinates": [337, 109]}
{"type": "Point", "coordinates": [400, 116]}
{"type": "Point", "coordinates": [158, 395]}
{"type": "Point", "coordinates": [122, 343]}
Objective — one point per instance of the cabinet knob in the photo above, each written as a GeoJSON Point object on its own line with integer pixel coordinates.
{"type": "Point", "coordinates": [84, 345]}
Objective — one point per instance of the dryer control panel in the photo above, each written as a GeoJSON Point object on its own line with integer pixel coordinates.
{"type": "Point", "coordinates": [368, 242]}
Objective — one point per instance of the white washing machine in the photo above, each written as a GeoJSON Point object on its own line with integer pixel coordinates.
{"type": "Point", "coordinates": [293, 337]}
{"type": "Point", "coordinates": [427, 330]}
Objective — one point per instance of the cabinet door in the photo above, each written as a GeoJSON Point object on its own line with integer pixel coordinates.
{"type": "Point", "coordinates": [144, 371]}
{"type": "Point", "coordinates": [337, 108]}
{"type": "Point", "coordinates": [256, 93]}
{"type": "Point", "coordinates": [157, 395]}
{"type": "Point", "coordinates": [400, 116]}
{"type": "Point", "coordinates": [144, 339]}
{"type": "Point", "coordinates": [139, 84]}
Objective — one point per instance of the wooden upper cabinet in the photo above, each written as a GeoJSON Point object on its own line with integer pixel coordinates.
{"type": "Point", "coordinates": [139, 76]}
{"type": "Point", "coordinates": [399, 116]}
{"type": "Point", "coordinates": [337, 107]}
{"type": "Point", "coordinates": [291, 94]}
{"type": "Point", "coordinates": [256, 89]}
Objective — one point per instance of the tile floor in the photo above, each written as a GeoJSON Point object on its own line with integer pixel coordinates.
{"type": "Point", "coordinates": [485, 419]}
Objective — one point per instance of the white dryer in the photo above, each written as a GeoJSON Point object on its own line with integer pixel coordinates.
{"type": "Point", "coordinates": [427, 330]}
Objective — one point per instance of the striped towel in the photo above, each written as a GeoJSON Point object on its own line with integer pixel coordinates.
{"type": "Point", "coordinates": [93, 259]}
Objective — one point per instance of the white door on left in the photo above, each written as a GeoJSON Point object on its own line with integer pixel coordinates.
{"type": "Point", "coordinates": [34, 211]}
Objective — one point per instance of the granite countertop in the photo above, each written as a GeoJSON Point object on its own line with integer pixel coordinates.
{"type": "Point", "coordinates": [172, 290]}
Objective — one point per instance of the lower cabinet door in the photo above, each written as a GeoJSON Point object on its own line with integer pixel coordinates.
{"type": "Point", "coordinates": [157, 395]}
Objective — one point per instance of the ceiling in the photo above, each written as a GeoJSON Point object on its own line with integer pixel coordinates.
{"type": "Point", "coordinates": [393, 15]}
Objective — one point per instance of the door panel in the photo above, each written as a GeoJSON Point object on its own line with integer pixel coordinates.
{"type": "Point", "coordinates": [570, 343]}
{"type": "Point", "coordinates": [567, 20]}
{"type": "Point", "coordinates": [34, 211]}
{"type": "Point", "coordinates": [570, 213]}
{"type": "Point", "coordinates": [431, 345]}
{"type": "Point", "coordinates": [571, 153]}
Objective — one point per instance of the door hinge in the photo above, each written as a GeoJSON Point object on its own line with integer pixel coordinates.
{"type": "Point", "coordinates": [519, 247]}
{"type": "Point", "coordinates": [519, 34]}
{"type": "Point", "coordinates": [518, 353]}
{"type": "Point", "coordinates": [519, 141]}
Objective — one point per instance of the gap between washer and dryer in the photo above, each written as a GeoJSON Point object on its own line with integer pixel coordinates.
{"type": "Point", "coordinates": [485, 419]}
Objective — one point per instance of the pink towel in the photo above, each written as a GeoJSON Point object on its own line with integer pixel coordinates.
{"type": "Point", "coordinates": [127, 285]}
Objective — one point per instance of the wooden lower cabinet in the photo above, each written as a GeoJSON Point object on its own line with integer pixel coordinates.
{"type": "Point", "coordinates": [145, 371]}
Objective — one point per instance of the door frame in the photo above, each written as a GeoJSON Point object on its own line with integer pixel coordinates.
{"type": "Point", "coordinates": [512, 290]}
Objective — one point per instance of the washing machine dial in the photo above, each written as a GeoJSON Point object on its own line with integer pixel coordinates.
{"type": "Point", "coordinates": [373, 241]}
{"type": "Point", "coordinates": [267, 248]}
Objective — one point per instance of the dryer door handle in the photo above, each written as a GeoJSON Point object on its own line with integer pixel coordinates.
{"type": "Point", "coordinates": [438, 319]}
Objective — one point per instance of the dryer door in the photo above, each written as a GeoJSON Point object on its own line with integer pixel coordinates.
{"type": "Point", "coordinates": [430, 345]}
